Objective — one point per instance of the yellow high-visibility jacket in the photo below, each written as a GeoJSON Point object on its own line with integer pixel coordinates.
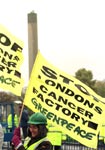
{"type": "Point", "coordinates": [9, 120]}
{"type": "Point", "coordinates": [55, 135]}
{"type": "Point", "coordinates": [34, 145]}
{"type": "Point", "coordinates": [102, 133]}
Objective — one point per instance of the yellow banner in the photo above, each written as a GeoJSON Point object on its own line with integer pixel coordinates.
{"type": "Point", "coordinates": [65, 101]}
{"type": "Point", "coordinates": [11, 58]}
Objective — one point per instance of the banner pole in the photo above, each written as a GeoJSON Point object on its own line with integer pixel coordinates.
{"type": "Point", "coordinates": [21, 114]}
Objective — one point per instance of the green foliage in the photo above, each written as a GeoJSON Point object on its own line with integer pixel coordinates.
{"type": "Point", "coordinates": [86, 77]}
{"type": "Point", "coordinates": [100, 88]}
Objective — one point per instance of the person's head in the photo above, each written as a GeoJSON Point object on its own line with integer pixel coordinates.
{"type": "Point", "coordinates": [37, 125]}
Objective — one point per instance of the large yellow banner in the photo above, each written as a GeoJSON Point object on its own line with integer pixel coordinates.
{"type": "Point", "coordinates": [65, 101]}
{"type": "Point", "coordinates": [11, 58]}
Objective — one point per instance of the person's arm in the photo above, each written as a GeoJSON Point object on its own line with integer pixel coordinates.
{"type": "Point", "coordinates": [16, 140]}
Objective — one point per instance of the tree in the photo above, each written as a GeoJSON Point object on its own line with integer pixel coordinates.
{"type": "Point", "coordinates": [86, 77]}
{"type": "Point", "coordinates": [100, 88]}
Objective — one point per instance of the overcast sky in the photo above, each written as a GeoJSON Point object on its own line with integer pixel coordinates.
{"type": "Point", "coordinates": [71, 33]}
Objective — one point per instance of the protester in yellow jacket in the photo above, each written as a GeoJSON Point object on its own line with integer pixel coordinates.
{"type": "Point", "coordinates": [37, 135]}
{"type": "Point", "coordinates": [12, 123]}
{"type": "Point", "coordinates": [56, 136]}
{"type": "Point", "coordinates": [102, 133]}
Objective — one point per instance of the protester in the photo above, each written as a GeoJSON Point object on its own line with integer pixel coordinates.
{"type": "Point", "coordinates": [12, 121]}
{"type": "Point", "coordinates": [23, 121]}
{"type": "Point", "coordinates": [101, 136]}
{"type": "Point", "coordinates": [1, 137]}
{"type": "Point", "coordinates": [56, 136]}
{"type": "Point", "coordinates": [37, 135]}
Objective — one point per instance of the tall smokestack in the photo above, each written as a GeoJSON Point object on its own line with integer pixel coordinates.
{"type": "Point", "coordinates": [32, 39]}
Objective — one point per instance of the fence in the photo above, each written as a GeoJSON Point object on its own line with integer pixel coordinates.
{"type": "Point", "coordinates": [67, 145]}
{"type": "Point", "coordinates": [74, 145]}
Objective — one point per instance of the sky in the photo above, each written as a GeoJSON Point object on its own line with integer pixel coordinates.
{"type": "Point", "coordinates": [71, 33]}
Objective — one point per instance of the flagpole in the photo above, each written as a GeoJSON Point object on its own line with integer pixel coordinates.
{"type": "Point", "coordinates": [21, 114]}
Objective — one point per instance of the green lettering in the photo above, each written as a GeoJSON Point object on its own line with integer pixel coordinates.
{"type": "Point", "coordinates": [90, 135]}
{"type": "Point", "coordinates": [8, 81]}
{"type": "Point", "coordinates": [83, 133]}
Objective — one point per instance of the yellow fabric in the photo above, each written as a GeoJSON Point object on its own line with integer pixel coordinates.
{"type": "Point", "coordinates": [102, 133]}
{"type": "Point", "coordinates": [65, 101]}
{"type": "Point", "coordinates": [9, 120]}
{"type": "Point", "coordinates": [34, 145]}
{"type": "Point", "coordinates": [11, 58]}
{"type": "Point", "coordinates": [55, 135]}
{"type": "Point", "coordinates": [64, 137]}
{"type": "Point", "coordinates": [16, 120]}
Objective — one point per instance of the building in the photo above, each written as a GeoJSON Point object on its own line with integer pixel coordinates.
{"type": "Point", "coordinates": [32, 39]}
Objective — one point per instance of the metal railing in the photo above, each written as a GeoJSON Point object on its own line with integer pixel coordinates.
{"type": "Point", "coordinates": [74, 145]}
{"type": "Point", "coordinates": [66, 145]}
